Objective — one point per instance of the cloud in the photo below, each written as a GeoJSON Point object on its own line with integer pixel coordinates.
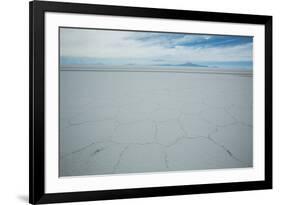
{"type": "Point", "coordinates": [126, 47]}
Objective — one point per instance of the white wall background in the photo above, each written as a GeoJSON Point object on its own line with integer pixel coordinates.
{"type": "Point", "coordinates": [14, 100]}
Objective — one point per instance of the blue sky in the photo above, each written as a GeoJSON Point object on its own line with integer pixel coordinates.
{"type": "Point", "coordinates": [108, 47]}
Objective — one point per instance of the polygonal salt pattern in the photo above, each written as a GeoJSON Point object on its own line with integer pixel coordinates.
{"type": "Point", "coordinates": [127, 122]}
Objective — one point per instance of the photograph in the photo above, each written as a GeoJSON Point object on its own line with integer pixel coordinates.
{"type": "Point", "coordinates": [133, 101]}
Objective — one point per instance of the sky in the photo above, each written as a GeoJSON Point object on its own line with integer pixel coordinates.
{"type": "Point", "coordinates": [111, 47]}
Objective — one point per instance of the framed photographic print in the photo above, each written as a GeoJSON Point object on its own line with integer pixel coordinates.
{"type": "Point", "coordinates": [140, 102]}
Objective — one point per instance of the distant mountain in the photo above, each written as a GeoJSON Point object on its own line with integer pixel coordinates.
{"type": "Point", "coordinates": [183, 64]}
{"type": "Point", "coordinates": [192, 64]}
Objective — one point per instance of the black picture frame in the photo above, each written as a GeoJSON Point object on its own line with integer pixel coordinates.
{"type": "Point", "coordinates": [37, 194]}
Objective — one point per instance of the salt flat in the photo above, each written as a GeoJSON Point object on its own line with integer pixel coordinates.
{"type": "Point", "coordinates": [133, 122]}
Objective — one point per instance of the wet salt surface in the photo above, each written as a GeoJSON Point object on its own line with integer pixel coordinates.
{"type": "Point", "coordinates": [134, 122]}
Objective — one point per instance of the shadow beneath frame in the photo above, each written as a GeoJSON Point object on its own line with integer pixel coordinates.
{"type": "Point", "coordinates": [23, 198]}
